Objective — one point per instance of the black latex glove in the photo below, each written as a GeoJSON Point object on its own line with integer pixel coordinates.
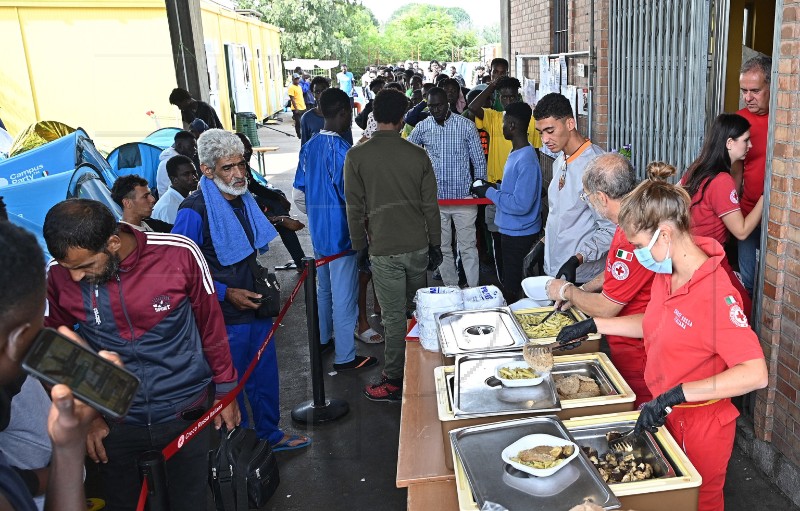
{"type": "Point", "coordinates": [654, 413]}
{"type": "Point", "coordinates": [569, 269]}
{"type": "Point", "coordinates": [363, 259]}
{"type": "Point", "coordinates": [535, 257]}
{"type": "Point", "coordinates": [576, 331]}
{"type": "Point", "coordinates": [480, 191]}
{"type": "Point", "coordinates": [435, 257]}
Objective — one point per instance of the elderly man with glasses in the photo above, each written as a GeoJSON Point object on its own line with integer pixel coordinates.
{"type": "Point", "coordinates": [227, 224]}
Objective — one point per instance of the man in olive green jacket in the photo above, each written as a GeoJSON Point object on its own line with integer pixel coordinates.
{"type": "Point", "coordinates": [390, 183]}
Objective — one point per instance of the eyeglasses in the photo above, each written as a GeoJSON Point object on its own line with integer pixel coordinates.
{"type": "Point", "coordinates": [242, 165]}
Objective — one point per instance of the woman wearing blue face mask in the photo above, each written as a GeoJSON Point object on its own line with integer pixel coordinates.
{"type": "Point", "coordinates": [700, 349]}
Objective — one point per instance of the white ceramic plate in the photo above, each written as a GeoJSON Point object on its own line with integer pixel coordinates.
{"type": "Point", "coordinates": [530, 441]}
{"type": "Point", "coordinates": [536, 287]}
{"type": "Point", "coordinates": [522, 382]}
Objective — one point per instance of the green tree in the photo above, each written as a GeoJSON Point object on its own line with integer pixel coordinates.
{"type": "Point", "coordinates": [432, 32]}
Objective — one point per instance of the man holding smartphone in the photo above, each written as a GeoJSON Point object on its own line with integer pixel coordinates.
{"type": "Point", "coordinates": [150, 298]}
{"type": "Point", "coordinates": [22, 299]}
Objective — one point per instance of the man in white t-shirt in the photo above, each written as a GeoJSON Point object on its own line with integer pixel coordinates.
{"type": "Point", "coordinates": [185, 144]}
{"type": "Point", "coordinates": [183, 181]}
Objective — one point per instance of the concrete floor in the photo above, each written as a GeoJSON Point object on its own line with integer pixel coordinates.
{"type": "Point", "coordinates": [351, 464]}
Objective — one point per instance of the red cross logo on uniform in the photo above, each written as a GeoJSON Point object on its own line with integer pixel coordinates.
{"type": "Point", "coordinates": [619, 270]}
{"type": "Point", "coordinates": [737, 316]}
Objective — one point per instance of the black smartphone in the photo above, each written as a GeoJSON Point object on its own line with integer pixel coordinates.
{"type": "Point", "coordinates": [94, 380]}
{"type": "Point", "coordinates": [258, 300]}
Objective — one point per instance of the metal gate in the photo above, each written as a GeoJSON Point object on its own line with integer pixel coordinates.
{"type": "Point", "coordinates": [660, 71]}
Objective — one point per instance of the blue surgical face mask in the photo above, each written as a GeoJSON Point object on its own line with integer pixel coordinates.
{"type": "Point", "coordinates": [645, 257]}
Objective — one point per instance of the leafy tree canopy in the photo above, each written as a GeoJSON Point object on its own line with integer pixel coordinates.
{"type": "Point", "coordinates": [348, 31]}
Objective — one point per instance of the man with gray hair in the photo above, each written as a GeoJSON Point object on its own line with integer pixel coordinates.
{"type": "Point", "coordinates": [230, 229]}
{"type": "Point", "coordinates": [623, 289]}
{"type": "Point", "coordinates": [754, 83]}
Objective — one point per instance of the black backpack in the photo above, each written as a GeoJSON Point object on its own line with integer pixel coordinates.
{"type": "Point", "coordinates": [242, 471]}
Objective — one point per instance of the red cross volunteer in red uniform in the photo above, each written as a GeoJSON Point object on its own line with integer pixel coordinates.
{"type": "Point", "coordinates": [700, 350]}
{"type": "Point", "coordinates": [623, 289]}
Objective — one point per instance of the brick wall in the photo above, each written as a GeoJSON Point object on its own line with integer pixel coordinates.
{"type": "Point", "coordinates": [777, 412]}
{"type": "Point", "coordinates": [531, 33]}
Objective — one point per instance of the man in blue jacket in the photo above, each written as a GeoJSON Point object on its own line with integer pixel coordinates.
{"type": "Point", "coordinates": [320, 175]}
{"type": "Point", "coordinates": [518, 198]}
{"type": "Point", "coordinates": [230, 229]}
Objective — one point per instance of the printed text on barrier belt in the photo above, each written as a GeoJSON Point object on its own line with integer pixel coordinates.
{"type": "Point", "coordinates": [174, 446]}
{"type": "Point", "coordinates": [464, 202]}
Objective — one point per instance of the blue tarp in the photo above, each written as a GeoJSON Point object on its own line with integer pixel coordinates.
{"type": "Point", "coordinates": [162, 138]}
{"type": "Point", "coordinates": [29, 202]}
{"type": "Point", "coordinates": [136, 158]}
{"type": "Point", "coordinates": [62, 155]}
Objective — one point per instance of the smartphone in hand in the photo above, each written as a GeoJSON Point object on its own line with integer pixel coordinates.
{"type": "Point", "coordinates": [94, 380]}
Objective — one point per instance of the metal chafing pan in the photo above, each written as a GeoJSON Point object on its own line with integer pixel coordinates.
{"type": "Point", "coordinates": [474, 392]}
{"type": "Point", "coordinates": [478, 448]}
{"type": "Point", "coordinates": [478, 331]}
{"type": "Point", "coordinates": [590, 345]}
{"type": "Point", "coordinates": [618, 396]}
{"type": "Point", "coordinates": [679, 492]}
{"type": "Point", "coordinates": [645, 447]}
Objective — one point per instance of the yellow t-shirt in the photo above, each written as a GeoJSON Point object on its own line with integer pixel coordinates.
{"type": "Point", "coordinates": [297, 93]}
{"type": "Point", "coordinates": [499, 147]}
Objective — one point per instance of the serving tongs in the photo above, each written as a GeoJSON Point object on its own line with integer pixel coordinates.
{"type": "Point", "coordinates": [549, 314]}
{"type": "Point", "coordinates": [626, 441]}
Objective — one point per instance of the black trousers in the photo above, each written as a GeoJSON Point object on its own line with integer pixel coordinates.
{"type": "Point", "coordinates": [515, 248]}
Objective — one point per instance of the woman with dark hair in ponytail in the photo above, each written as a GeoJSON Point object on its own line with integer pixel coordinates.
{"type": "Point", "coordinates": [715, 204]}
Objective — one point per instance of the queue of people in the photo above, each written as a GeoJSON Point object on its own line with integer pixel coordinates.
{"type": "Point", "coordinates": [176, 303]}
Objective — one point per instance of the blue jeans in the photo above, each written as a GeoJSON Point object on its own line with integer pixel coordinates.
{"type": "Point", "coordinates": [337, 299]}
{"type": "Point", "coordinates": [262, 388]}
{"type": "Point", "coordinates": [748, 259]}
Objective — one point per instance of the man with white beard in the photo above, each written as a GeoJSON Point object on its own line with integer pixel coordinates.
{"type": "Point", "coordinates": [225, 221]}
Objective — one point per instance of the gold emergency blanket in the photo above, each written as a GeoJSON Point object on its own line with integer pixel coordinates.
{"type": "Point", "coordinates": [37, 135]}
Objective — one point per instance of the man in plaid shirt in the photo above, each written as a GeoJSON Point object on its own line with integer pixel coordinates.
{"type": "Point", "coordinates": [452, 143]}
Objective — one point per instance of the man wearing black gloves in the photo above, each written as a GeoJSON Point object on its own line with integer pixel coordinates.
{"type": "Point", "coordinates": [397, 196]}
{"type": "Point", "coordinates": [576, 238]}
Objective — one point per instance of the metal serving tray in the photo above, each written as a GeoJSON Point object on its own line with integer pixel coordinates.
{"type": "Point", "coordinates": [645, 447]}
{"type": "Point", "coordinates": [480, 330]}
{"type": "Point", "coordinates": [474, 396]}
{"type": "Point", "coordinates": [590, 369]}
{"type": "Point", "coordinates": [478, 448]}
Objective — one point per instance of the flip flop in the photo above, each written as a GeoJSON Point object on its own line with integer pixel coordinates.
{"type": "Point", "coordinates": [368, 336]}
{"type": "Point", "coordinates": [285, 443]}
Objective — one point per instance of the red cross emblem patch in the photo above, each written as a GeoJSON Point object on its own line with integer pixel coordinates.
{"type": "Point", "coordinates": [619, 270]}
{"type": "Point", "coordinates": [737, 316]}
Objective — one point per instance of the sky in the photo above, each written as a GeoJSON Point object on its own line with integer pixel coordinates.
{"type": "Point", "coordinates": [482, 12]}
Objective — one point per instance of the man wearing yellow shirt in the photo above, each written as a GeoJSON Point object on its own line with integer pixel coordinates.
{"type": "Point", "coordinates": [298, 104]}
{"type": "Point", "coordinates": [491, 121]}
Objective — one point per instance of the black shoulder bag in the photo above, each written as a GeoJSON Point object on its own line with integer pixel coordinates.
{"type": "Point", "coordinates": [266, 284]}
{"type": "Point", "coordinates": [243, 471]}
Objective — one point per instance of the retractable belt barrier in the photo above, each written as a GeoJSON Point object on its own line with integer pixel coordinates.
{"type": "Point", "coordinates": [173, 447]}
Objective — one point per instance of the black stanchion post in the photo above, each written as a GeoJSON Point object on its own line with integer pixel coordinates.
{"type": "Point", "coordinates": [153, 469]}
{"type": "Point", "coordinates": [318, 409]}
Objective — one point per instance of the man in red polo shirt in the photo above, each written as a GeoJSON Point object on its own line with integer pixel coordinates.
{"type": "Point", "coordinates": [754, 82]}
{"type": "Point", "coordinates": [623, 289]}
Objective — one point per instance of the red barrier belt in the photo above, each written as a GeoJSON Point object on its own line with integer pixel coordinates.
{"type": "Point", "coordinates": [173, 447]}
{"type": "Point", "coordinates": [464, 202]}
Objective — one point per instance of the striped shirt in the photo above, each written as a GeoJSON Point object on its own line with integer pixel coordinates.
{"type": "Point", "coordinates": [451, 148]}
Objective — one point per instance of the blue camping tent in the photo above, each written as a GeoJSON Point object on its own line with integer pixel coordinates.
{"type": "Point", "coordinates": [28, 202]}
{"type": "Point", "coordinates": [137, 158]}
{"type": "Point", "coordinates": [162, 138]}
{"type": "Point", "coordinates": [62, 155]}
